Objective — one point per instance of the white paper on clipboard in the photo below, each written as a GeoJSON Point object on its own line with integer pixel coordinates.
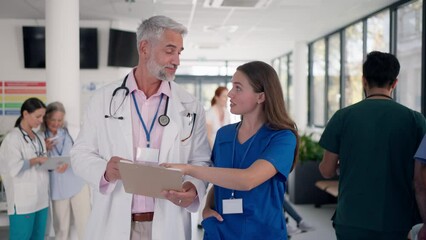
{"type": "Point", "coordinates": [53, 162]}
{"type": "Point", "coordinates": [149, 179]}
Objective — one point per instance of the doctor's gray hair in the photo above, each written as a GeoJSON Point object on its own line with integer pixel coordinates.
{"type": "Point", "coordinates": [153, 28]}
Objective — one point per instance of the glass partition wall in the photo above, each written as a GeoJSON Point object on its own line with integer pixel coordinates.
{"type": "Point", "coordinates": [335, 60]}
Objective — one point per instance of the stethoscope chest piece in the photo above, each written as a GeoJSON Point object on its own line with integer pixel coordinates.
{"type": "Point", "coordinates": [163, 120]}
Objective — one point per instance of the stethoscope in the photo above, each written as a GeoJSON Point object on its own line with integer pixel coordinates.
{"type": "Point", "coordinates": [29, 140]}
{"type": "Point", "coordinates": [163, 119]}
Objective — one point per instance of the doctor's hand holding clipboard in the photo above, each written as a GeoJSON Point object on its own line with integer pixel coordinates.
{"type": "Point", "coordinates": [112, 173]}
{"type": "Point", "coordinates": [183, 198]}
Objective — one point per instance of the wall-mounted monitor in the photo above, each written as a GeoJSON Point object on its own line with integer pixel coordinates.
{"type": "Point", "coordinates": [122, 50]}
{"type": "Point", "coordinates": [88, 48]}
{"type": "Point", "coordinates": [35, 47]}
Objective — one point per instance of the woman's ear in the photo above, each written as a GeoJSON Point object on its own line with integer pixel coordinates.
{"type": "Point", "coordinates": [261, 98]}
{"type": "Point", "coordinates": [25, 113]}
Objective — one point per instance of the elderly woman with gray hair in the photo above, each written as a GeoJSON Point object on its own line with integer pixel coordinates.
{"type": "Point", "coordinates": [69, 193]}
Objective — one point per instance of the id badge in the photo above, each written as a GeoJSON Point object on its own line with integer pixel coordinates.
{"type": "Point", "coordinates": [232, 206]}
{"type": "Point", "coordinates": [147, 154]}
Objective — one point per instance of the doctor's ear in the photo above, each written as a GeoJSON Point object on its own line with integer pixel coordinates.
{"type": "Point", "coordinates": [144, 47]}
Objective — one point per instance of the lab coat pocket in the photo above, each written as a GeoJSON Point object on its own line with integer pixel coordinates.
{"type": "Point", "coordinates": [25, 194]}
{"type": "Point", "coordinates": [211, 229]}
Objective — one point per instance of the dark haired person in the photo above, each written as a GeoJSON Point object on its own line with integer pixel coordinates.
{"type": "Point", "coordinates": [26, 186]}
{"type": "Point", "coordinates": [419, 230]}
{"type": "Point", "coordinates": [373, 143]}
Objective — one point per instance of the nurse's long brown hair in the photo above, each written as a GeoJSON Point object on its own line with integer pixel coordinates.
{"type": "Point", "coordinates": [263, 78]}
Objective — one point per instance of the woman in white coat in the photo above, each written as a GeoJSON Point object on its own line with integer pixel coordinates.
{"type": "Point", "coordinates": [26, 186]}
{"type": "Point", "coordinates": [218, 115]}
{"type": "Point", "coordinates": [111, 126]}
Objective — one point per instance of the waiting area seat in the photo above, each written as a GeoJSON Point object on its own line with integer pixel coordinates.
{"type": "Point", "coordinates": [329, 186]}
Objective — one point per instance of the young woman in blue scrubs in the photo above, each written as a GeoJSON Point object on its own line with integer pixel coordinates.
{"type": "Point", "coordinates": [252, 160]}
{"type": "Point", "coordinates": [26, 186]}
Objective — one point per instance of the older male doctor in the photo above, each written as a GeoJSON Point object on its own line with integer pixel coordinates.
{"type": "Point", "coordinates": [144, 117]}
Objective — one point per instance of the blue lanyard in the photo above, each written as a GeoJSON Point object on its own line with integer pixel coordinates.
{"type": "Point", "coordinates": [147, 133]}
{"type": "Point", "coordinates": [245, 153]}
{"type": "Point", "coordinates": [55, 146]}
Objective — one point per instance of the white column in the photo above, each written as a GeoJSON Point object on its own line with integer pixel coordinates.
{"type": "Point", "coordinates": [299, 103]}
{"type": "Point", "coordinates": [63, 58]}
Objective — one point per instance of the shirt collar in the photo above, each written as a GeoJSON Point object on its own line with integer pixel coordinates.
{"type": "Point", "coordinates": [132, 86]}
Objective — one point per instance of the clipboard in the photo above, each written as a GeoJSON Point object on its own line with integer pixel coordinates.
{"type": "Point", "coordinates": [149, 179]}
{"type": "Point", "coordinates": [53, 162]}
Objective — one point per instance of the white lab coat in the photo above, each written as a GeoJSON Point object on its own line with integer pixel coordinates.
{"type": "Point", "coordinates": [101, 138]}
{"type": "Point", "coordinates": [27, 189]}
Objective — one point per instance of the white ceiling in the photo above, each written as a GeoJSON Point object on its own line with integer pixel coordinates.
{"type": "Point", "coordinates": [225, 33]}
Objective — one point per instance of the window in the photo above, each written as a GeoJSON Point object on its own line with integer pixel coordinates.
{"type": "Point", "coordinates": [334, 73]}
{"type": "Point", "coordinates": [409, 49]}
{"type": "Point", "coordinates": [378, 32]}
{"type": "Point", "coordinates": [353, 64]}
{"type": "Point", "coordinates": [318, 83]}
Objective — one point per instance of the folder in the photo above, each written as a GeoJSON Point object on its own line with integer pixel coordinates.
{"type": "Point", "coordinates": [53, 162]}
{"type": "Point", "coordinates": [149, 179]}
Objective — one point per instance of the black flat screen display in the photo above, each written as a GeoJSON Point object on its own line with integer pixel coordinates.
{"type": "Point", "coordinates": [122, 51]}
{"type": "Point", "coordinates": [35, 47]}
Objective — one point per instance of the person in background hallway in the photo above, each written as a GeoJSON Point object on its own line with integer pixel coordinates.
{"type": "Point", "coordinates": [420, 185]}
{"type": "Point", "coordinates": [252, 160]}
{"type": "Point", "coordinates": [302, 225]}
{"type": "Point", "coordinates": [218, 115]}
{"type": "Point", "coordinates": [21, 151]}
{"type": "Point", "coordinates": [68, 192]}
{"type": "Point", "coordinates": [373, 143]}
{"type": "Point", "coordinates": [144, 117]}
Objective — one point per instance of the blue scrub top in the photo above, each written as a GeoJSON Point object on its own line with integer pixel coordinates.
{"type": "Point", "coordinates": [421, 151]}
{"type": "Point", "coordinates": [262, 216]}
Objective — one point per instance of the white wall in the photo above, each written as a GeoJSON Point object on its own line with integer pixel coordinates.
{"type": "Point", "coordinates": [12, 60]}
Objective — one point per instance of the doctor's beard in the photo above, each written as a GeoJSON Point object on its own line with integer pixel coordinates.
{"type": "Point", "coordinates": [159, 71]}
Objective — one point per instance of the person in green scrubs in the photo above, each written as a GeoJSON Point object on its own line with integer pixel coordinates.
{"type": "Point", "coordinates": [372, 143]}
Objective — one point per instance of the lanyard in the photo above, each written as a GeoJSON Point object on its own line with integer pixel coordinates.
{"type": "Point", "coordinates": [245, 153]}
{"type": "Point", "coordinates": [55, 146]}
{"type": "Point", "coordinates": [147, 133]}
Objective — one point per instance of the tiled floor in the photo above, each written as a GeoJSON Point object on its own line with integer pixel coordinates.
{"type": "Point", "coordinates": [318, 217]}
